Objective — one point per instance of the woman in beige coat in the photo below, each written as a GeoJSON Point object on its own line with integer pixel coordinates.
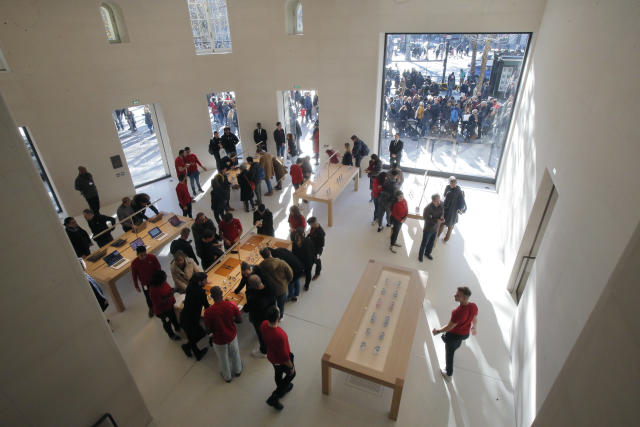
{"type": "Point", "coordinates": [182, 268]}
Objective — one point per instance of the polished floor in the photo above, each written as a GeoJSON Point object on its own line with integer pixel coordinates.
{"type": "Point", "coordinates": [180, 391]}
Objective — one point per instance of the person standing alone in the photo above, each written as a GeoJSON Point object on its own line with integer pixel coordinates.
{"type": "Point", "coordinates": [260, 137]}
{"type": "Point", "coordinates": [433, 215]}
{"type": "Point", "coordinates": [463, 320]}
{"type": "Point", "coordinates": [280, 356]}
{"type": "Point", "coordinates": [184, 198]}
{"type": "Point", "coordinates": [85, 185]}
{"type": "Point", "coordinates": [395, 150]}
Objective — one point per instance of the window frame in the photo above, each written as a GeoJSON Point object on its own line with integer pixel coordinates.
{"type": "Point", "coordinates": [111, 16]}
{"type": "Point", "coordinates": [209, 22]}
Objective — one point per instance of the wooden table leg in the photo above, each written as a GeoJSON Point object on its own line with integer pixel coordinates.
{"type": "Point", "coordinates": [326, 374]}
{"type": "Point", "coordinates": [115, 295]}
{"type": "Point", "coordinates": [395, 401]}
{"type": "Point", "coordinates": [355, 186]}
{"type": "Point", "coordinates": [330, 209]}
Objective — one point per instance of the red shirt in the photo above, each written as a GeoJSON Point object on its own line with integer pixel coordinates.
{"type": "Point", "coordinates": [218, 318]}
{"type": "Point", "coordinates": [299, 222]}
{"type": "Point", "coordinates": [462, 316]}
{"type": "Point", "coordinates": [143, 269]}
{"type": "Point", "coordinates": [180, 169]}
{"type": "Point", "coordinates": [231, 230]}
{"type": "Point", "coordinates": [376, 188]}
{"type": "Point", "coordinates": [296, 174]}
{"type": "Point", "coordinates": [184, 198]}
{"type": "Point", "coordinates": [277, 343]}
{"type": "Point", "coordinates": [162, 299]}
{"type": "Point", "coordinates": [400, 210]}
{"type": "Point", "coordinates": [193, 161]}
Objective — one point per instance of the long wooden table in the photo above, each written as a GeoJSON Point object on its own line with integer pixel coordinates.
{"type": "Point", "coordinates": [329, 181]}
{"type": "Point", "coordinates": [225, 272]}
{"type": "Point", "coordinates": [374, 337]}
{"type": "Point", "coordinates": [108, 276]}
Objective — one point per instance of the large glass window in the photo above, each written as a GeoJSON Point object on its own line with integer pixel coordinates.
{"type": "Point", "coordinates": [450, 98]}
{"type": "Point", "coordinates": [210, 26]}
{"type": "Point", "coordinates": [40, 168]}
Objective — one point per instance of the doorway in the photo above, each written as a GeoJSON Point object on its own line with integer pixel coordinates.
{"type": "Point", "coordinates": [223, 112]}
{"type": "Point", "coordinates": [299, 112]}
{"type": "Point", "coordinates": [142, 143]}
{"type": "Point", "coordinates": [533, 237]}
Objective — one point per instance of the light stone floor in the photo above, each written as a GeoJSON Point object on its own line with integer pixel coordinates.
{"type": "Point", "coordinates": [180, 391]}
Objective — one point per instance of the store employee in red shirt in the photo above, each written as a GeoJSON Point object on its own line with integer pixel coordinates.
{"type": "Point", "coordinates": [399, 214]}
{"type": "Point", "coordinates": [279, 354]}
{"type": "Point", "coordinates": [230, 229]}
{"type": "Point", "coordinates": [181, 164]}
{"type": "Point", "coordinates": [220, 320]}
{"type": "Point", "coordinates": [184, 198]}
{"type": "Point", "coordinates": [463, 320]}
{"type": "Point", "coordinates": [142, 269]}
{"type": "Point", "coordinates": [192, 163]}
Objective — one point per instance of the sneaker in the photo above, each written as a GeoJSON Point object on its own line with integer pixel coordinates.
{"type": "Point", "coordinates": [373, 222]}
{"type": "Point", "coordinates": [186, 349]}
{"type": "Point", "coordinates": [282, 318]}
{"type": "Point", "coordinates": [238, 374]}
{"type": "Point", "coordinates": [379, 229]}
{"type": "Point", "coordinates": [275, 403]}
{"type": "Point", "coordinates": [306, 287]}
{"type": "Point", "coordinates": [446, 377]}
{"type": "Point", "coordinates": [226, 380]}
{"type": "Point", "coordinates": [315, 277]}
{"type": "Point", "coordinates": [397, 245]}
{"type": "Point", "coordinates": [293, 299]}
{"type": "Point", "coordinates": [388, 225]}
{"type": "Point", "coordinates": [269, 193]}
{"type": "Point", "coordinates": [258, 354]}
{"type": "Point", "coordinates": [392, 250]}
{"type": "Point", "coordinates": [420, 259]}
{"type": "Point", "coordinates": [201, 353]}
{"type": "Point", "coordinates": [430, 257]}
{"type": "Point", "coordinates": [175, 337]}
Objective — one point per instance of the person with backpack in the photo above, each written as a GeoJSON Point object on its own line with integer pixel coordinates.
{"type": "Point", "coordinates": [359, 150]}
{"type": "Point", "coordinates": [454, 204]}
{"type": "Point", "coordinates": [347, 158]}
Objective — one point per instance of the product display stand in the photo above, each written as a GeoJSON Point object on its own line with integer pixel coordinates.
{"type": "Point", "coordinates": [374, 337]}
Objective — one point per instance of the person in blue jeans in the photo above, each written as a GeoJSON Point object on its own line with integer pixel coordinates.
{"type": "Point", "coordinates": [433, 215]}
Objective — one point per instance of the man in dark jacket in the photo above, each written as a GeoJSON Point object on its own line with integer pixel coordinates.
{"type": "Point", "coordinates": [220, 191]}
{"type": "Point", "coordinates": [199, 226]}
{"type": "Point", "coordinates": [85, 185]}
{"type": "Point", "coordinates": [433, 215]}
{"type": "Point", "coordinates": [142, 200]}
{"type": "Point", "coordinates": [296, 266]}
{"type": "Point", "coordinates": [358, 151]}
{"type": "Point", "coordinates": [229, 142]}
{"type": "Point", "coordinates": [260, 137]}
{"type": "Point", "coordinates": [316, 234]}
{"type": "Point", "coordinates": [395, 150]}
{"type": "Point", "coordinates": [183, 244]}
{"type": "Point", "coordinates": [211, 249]}
{"type": "Point", "coordinates": [306, 253]}
{"type": "Point", "coordinates": [263, 220]}
{"type": "Point", "coordinates": [215, 144]}
{"type": "Point", "coordinates": [260, 296]}
{"type": "Point", "coordinates": [279, 139]}
{"type": "Point", "coordinates": [79, 238]}
{"type": "Point", "coordinates": [98, 223]}
{"type": "Point", "coordinates": [195, 299]}
{"type": "Point", "coordinates": [453, 203]}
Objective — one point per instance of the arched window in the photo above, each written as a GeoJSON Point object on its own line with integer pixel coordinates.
{"type": "Point", "coordinates": [298, 11]}
{"type": "Point", "coordinates": [109, 21]}
{"type": "Point", "coordinates": [293, 17]}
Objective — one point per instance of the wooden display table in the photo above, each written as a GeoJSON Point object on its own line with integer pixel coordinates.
{"type": "Point", "coordinates": [225, 272]}
{"type": "Point", "coordinates": [108, 276]}
{"type": "Point", "coordinates": [374, 337]}
{"type": "Point", "coordinates": [328, 183]}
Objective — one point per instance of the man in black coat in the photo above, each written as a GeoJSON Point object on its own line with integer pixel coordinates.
{"type": "Point", "coordinates": [260, 297]}
{"type": "Point", "coordinates": [229, 142]}
{"type": "Point", "coordinates": [316, 234]}
{"type": "Point", "coordinates": [85, 185]}
{"type": "Point", "coordinates": [198, 228]}
{"type": "Point", "coordinates": [260, 137]}
{"type": "Point", "coordinates": [263, 220]}
{"type": "Point", "coordinates": [195, 300]}
{"type": "Point", "coordinates": [220, 192]}
{"type": "Point", "coordinates": [183, 244]}
{"type": "Point", "coordinates": [453, 203]}
{"type": "Point", "coordinates": [215, 144]}
{"type": "Point", "coordinates": [79, 238]}
{"type": "Point", "coordinates": [98, 223]}
{"type": "Point", "coordinates": [296, 266]}
{"type": "Point", "coordinates": [279, 139]}
{"type": "Point", "coordinates": [395, 150]}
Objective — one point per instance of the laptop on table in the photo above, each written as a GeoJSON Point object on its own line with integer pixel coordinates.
{"type": "Point", "coordinates": [115, 260]}
{"type": "Point", "coordinates": [175, 221]}
{"type": "Point", "coordinates": [138, 242]}
{"type": "Point", "coordinates": [157, 234]}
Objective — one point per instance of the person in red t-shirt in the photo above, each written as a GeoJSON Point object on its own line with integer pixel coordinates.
{"type": "Point", "coordinates": [220, 320]}
{"type": "Point", "coordinates": [181, 164]}
{"type": "Point", "coordinates": [399, 214]}
{"type": "Point", "coordinates": [376, 189]}
{"type": "Point", "coordinates": [280, 356]}
{"type": "Point", "coordinates": [142, 268]}
{"type": "Point", "coordinates": [463, 320]}
{"type": "Point", "coordinates": [161, 294]}
{"type": "Point", "coordinates": [296, 174]}
{"type": "Point", "coordinates": [230, 229]}
{"type": "Point", "coordinates": [184, 198]}
{"type": "Point", "coordinates": [192, 163]}
{"type": "Point", "coordinates": [296, 221]}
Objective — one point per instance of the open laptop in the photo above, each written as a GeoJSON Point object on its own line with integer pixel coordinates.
{"type": "Point", "coordinates": [97, 255]}
{"type": "Point", "coordinates": [157, 234]}
{"type": "Point", "coordinates": [115, 260]}
{"type": "Point", "coordinates": [117, 243]}
{"type": "Point", "coordinates": [175, 221]}
{"type": "Point", "coordinates": [136, 243]}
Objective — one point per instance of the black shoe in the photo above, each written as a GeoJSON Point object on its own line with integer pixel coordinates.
{"type": "Point", "coordinates": [430, 257]}
{"type": "Point", "coordinates": [306, 287]}
{"type": "Point", "coordinates": [396, 245]}
{"type": "Point", "coordinates": [200, 354]}
{"type": "Point", "coordinates": [238, 374]}
{"type": "Point", "coordinates": [186, 349]}
{"type": "Point", "coordinates": [420, 259]}
{"type": "Point", "coordinates": [294, 299]}
{"type": "Point", "coordinates": [150, 313]}
{"type": "Point", "coordinates": [275, 403]}
{"type": "Point", "coordinates": [175, 337]}
{"type": "Point", "coordinates": [388, 225]}
{"type": "Point", "coordinates": [379, 229]}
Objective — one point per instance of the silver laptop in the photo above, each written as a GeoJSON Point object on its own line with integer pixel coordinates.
{"type": "Point", "coordinates": [157, 234]}
{"type": "Point", "coordinates": [115, 260]}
